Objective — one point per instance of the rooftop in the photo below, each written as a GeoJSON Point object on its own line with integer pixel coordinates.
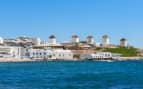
{"type": "Point", "coordinates": [75, 36]}
{"type": "Point", "coordinates": [52, 36]}
{"type": "Point", "coordinates": [89, 36]}
{"type": "Point", "coordinates": [123, 39]}
{"type": "Point", "coordinates": [105, 36]}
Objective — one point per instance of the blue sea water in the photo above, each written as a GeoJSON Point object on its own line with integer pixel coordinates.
{"type": "Point", "coordinates": [72, 75]}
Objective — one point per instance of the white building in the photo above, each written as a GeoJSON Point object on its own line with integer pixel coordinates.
{"type": "Point", "coordinates": [10, 42]}
{"type": "Point", "coordinates": [11, 52]}
{"type": "Point", "coordinates": [47, 45]}
{"type": "Point", "coordinates": [63, 54]}
{"type": "Point", "coordinates": [106, 41]}
{"type": "Point", "coordinates": [75, 39]}
{"type": "Point", "coordinates": [90, 40]}
{"type": "Point", "coordinates": [1, 40]}
{"type": "Point", "coordinates": [52, 39]}
{"type": "Point", "coordinates": [123, 42]}
{"type": "Point", "coordinates": [40, 54]}
{"type": "Point", "coordinates": [50, 54]}
{"type": "Point", "coordinates": [37, 41]}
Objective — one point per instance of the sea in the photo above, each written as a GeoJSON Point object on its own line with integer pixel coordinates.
{"type": "Point", "coordinates": [72, 75]}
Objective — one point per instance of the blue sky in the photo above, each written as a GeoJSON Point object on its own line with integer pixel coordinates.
{"type": "Point", "coordinates": [63, 18]}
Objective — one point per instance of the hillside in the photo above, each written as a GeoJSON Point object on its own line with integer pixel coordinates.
{"type": "Point", "coordinates": [126, 52]}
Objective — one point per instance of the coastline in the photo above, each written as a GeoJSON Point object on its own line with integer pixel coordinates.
{"type": "Point", "coordinates": [29, 60]}
{"type": "Point", "coordinates": [15, 60]}
{"type": "Point", "coordinates": [130, 58]}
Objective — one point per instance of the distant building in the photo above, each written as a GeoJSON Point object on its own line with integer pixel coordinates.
{"type": "Point", "coordinates": [1, 40]}
{"type": "Point", "coordinates": [52, 39]}
{"type": "Point", "coordinates": [40, 54]}
{"type": "Point", "coordinates": [11, 42]}
{"type": "Point", "coordinates": [90, 40]}
{"type": "Point", "coordinates": [46, 45]}
{"type": "Point", "coordinates": [79, 46]}
{"type": "Point", "coordinates": [37, 41]}
{"type": "Point", "coordinates": [123, 42]}
{"type": "Point", "coordinates": [106, 41]}
{"type": "Point", "coordinates": [75, 39]}
{"type": "Point", "coordinates": [22, 41]}
{"type": "Point", "coordinates": [50, 54]}
{"type": "Point", "coordinates": [11, 52]}
{"type": "Point", "coordinates": [63, 54]}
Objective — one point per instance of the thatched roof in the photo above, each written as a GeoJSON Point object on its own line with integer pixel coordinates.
{"type": "Point", "coordinates": [105, 36]}
{"type": "Point", "coordinates": [123, 39]}
{"type": "Point", "coordinates": [52, 36]}
{"type": "Point", "coordinates": [75, 36]}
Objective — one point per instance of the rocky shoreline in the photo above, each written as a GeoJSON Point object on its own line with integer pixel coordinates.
{"type": "Point", "coordinates": [15, 59]}
{"type": "Point", "coordinates": [131, 58]}
{"type": "Point", "coordinates": [28, 59]}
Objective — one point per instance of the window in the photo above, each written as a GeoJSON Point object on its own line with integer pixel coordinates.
{"type": "Point", "coordinates": [50, 56]}
{"type": "Point", "coordinates": [37, 53]}
{"type": "Point", "coordinates": [44, 53]}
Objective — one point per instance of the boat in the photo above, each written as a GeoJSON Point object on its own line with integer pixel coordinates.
{"type": "Point", "coordinates": [101, 56]}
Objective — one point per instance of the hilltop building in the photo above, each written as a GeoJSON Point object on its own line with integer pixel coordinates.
{"type": "Point", "coordinates": [47, 45]}
{"type": "Point", "coordinates": [10, 42]}
{"type": "Point", "coordinates": [37, 41]}
{"type": "Point", "coordinates": [52, 39]}
{"type": "Point", "coordinates": [75, 39]}
{"type": "Point", "coordinates": [1, 40]}
{"type": "Point", "coordinates": [123, 42]}
{"type": "Point", "coordinates": [63, 54]}
{"type": "Point", "coordinates": [105, 41]}
{"type": "Point", "coordinates": [52, 44]}
{"type": "Point", "coordinates": [90, 40]}
{"type": "Point", "coordinates": [22, 41]}
{"type": "Point", "coordinates": [12, 52]}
